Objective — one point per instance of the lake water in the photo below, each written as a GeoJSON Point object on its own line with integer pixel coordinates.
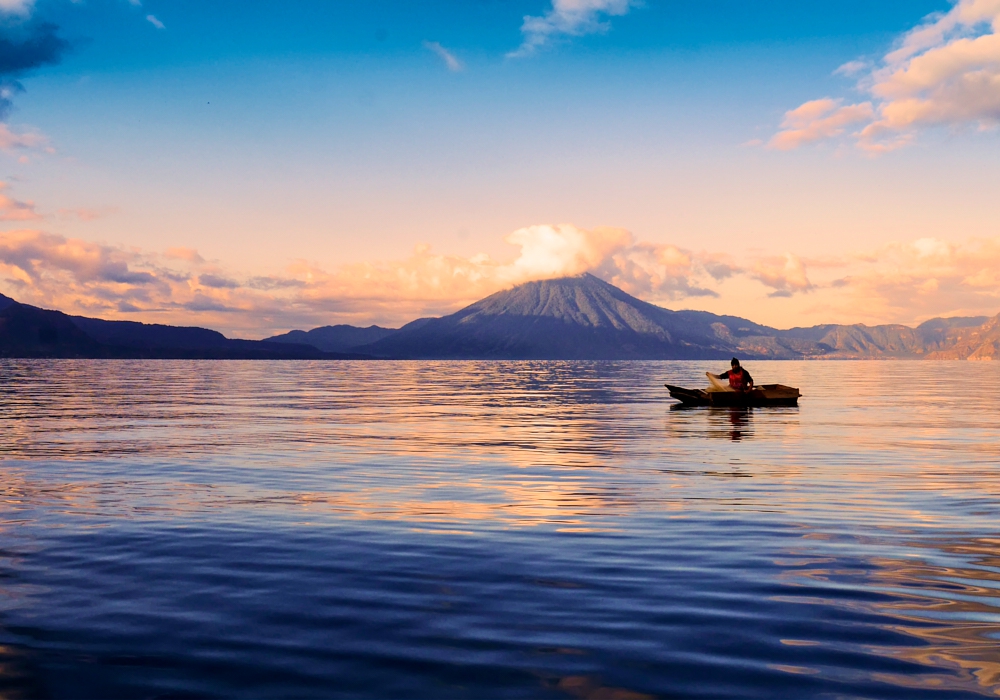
{"type": "Point", "coordinates": [496, 530]}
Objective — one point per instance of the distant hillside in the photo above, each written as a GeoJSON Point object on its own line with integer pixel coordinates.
{"type": "Point", "coordinates": [861, 341]}
{"type": "Point", "coordinates": [586, 318]}
{"type": "Point", "coordinates": [147, 336]}
{"type": "Point", "coordinates": [937, 329]}
{"type": "Point", "coordinates": [975, 343]}
{"type": "Point", "coordinates": [28, 331]}
{"type": "Point", "coordinates": [339, 338]}
{"type": "Point", "coordinates": [570, 318]}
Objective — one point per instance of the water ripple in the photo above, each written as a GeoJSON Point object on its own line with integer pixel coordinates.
{"type": "Point", "coordinates": [495, 529]}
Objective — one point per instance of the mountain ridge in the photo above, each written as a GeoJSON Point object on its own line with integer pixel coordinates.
{"type": "Point", "coordinates": [579, 317]}
{"type": "Point", "coordinates": [29, 331]}
{"type": "Point", "coordinates": [337, 338]}
{"type": "Point", "coordinates": [584, 317]}
{"type": "Point", "coordinates": [570, 318]}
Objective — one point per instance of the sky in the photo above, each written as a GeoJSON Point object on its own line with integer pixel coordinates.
{"type": "Point", "coordinates": [258, 167]}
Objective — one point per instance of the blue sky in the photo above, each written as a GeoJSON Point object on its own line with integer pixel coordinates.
{"type": "Point", "coordinates": [263, 135]}
{"type": "Point", "coordinates": [207, 31]}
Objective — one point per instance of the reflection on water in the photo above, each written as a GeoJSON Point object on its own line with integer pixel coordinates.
{"type": "Point", "coordinates": [951, 606]}
{"type": "Point", "coordinates": [732, 423]}
{"type": "Point", "coordinates": [471, 529]}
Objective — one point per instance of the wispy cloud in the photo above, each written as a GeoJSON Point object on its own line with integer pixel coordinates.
{"type": "Point", "coordinates": [818, 120]}
{"type": "Point", "coordinates": [25, 140]}
{"type": "Point", "coordinates": [921, 279]}
{"type": "Point", "coordinates": [155, 22]}
{"type": "Point", "coordinates": [186, 254]}
{"type": "Point", "coordinates": [568, 18]}
{"type": "Point", "coordinates": [16, 7]}
{"type": "Point", "coordinates": [852, 68]}
{"type": "Point", "coordinates": [450, 60]}
{"type": "Point", "coordinates": [15, 210]}
{"type": "Point", "coordinates": [945, 72]}
{"type": "Point", "coordinates": [785, 275]}
{"type": "Point", "coordinates": [217, 281]}
{"type": "Point", "coordinates": [85, 214]}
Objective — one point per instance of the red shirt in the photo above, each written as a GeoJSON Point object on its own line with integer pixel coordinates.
{"type": "Point", "coordinates": [741, 382]}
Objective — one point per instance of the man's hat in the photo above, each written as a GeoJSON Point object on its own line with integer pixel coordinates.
{"type": "Point", "coordinates": [735, 362]}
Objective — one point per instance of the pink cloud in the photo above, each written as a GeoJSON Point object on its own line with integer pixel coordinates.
{"type": "Point", "coordinates": [14, 210]}
{"type": "Point", "coordinates": [818, 120]}
{"type": "Point", "coordinates": [16, 7]}
{"type": "Point", "coordinates": [785, 275]}
{"type": "Point", "coordinates": [924, 278]}
{"type": "Point", "coordinates": [187, 254]}
{"type": "Point", "coordinates": [85, 214]}
{"type": "Point", "coordinates": [13, 141]}
{"type": "Point", "coordinates": [180, 286]}
{"type": "Point", "coordinates": [945, 72]}
{"type": "Point", "coordinates": [901, 282]}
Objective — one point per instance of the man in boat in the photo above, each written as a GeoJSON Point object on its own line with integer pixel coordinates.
{"type": "Point", "coordinates": [739, 378]}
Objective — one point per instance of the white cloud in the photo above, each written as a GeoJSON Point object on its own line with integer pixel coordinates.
{"type": "Point", "coordinates": [155, 22]}
{"type": "Point", "coordinates": [946, 72]}
{"type": "Point", "coordinates": [568, 18]}
{"type": "Point", "coordinates": [450, 60]}
{"type": "Point", "coordinates": [555, 251]}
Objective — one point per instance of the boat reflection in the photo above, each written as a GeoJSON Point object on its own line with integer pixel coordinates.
{"type": "Point", "coordinates": [739, 421]}
{"type": "Point", "coordinates": [733, 423]}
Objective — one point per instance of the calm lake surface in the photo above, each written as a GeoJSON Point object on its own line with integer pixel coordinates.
{"type": "Point", "coordinates": [496, 530]}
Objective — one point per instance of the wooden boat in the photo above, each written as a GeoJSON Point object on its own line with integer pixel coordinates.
{"type": "Point", "coordinates": [763, 395]}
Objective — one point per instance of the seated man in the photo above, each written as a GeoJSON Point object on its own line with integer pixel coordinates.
{"type": "Point", "coordinates": [739, 378]}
